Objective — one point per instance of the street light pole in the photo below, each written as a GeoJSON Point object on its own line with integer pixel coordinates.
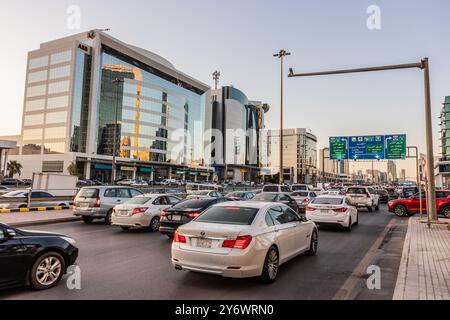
{"type": "Point", "coordinates": [281, 56]}
{"type": "Point", "coordinates": [117, 82]}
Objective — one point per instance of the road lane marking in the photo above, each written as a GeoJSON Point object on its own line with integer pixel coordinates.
{"type": "Point", "coordinates": [346, 291]}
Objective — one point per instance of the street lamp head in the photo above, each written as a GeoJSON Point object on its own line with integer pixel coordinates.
{"type": "Point", "coordinates": [282, 54]}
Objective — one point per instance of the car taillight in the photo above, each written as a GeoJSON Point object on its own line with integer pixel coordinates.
{"type": "Point", "coordinates": [178, 238]}
{"type": "Point", "coordinates": [193, 215]}
{"type": "Point", "coordinates": [306, 201]}
{"type": "Point", "coordinates": [138, 210]}
{"type": "Point", "coordinates": [164, 214]}
{"type": "Point", "coordinates": [310, 209]}
{"type": "Point", "coordinates": [340, 209]}
{"type": "Point", "coordinates": [241, 242]}
{"type": "Point", "coordinates": [97, 203]}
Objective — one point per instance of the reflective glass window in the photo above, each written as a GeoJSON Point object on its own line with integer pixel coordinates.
{"type": "Point", "coordinates": [55, 133]}
{"type": "Point", "coordinates": [33, 119]}
{"type": "Point", "coordinates": [37, 76]}
{"type": "Point", "coordinates": [58, 87]}
{"type": "Point", "coordinates": [30, 148]}
{"type": "Point", "coordinates": [32, 134]}
{"type": "Point", "coordinates": [61, 72]}
{"type": "Point", "coordinates": [56, 117]}
{"type": "Point", "coordinates": [61, 57]}
{"type": "Point", "coordinates": [36, 91]}
{"type": "Point", "coordinates": [53, 148]}
{"type": "Point", "coordinates": [58, 102]}
{"type": "Point", "coordinates": [35, 105]}
{"type": "Point", "coordinates": [38, 62]}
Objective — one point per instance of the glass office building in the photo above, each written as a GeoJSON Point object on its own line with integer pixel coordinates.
{"type": "Point", "coordinates": [83, 89]}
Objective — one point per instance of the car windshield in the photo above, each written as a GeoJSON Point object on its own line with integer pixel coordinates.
{"type": "Point", "coordinates": [229, 215]}
{"type": "Point", "coordinates": [326, 200]}
{"type": "Point", "coordinates": [239, 195]}
{"type": "Point", "coordinates": [201, 193]}
{"type": "Point", "coordinates": [299, 194]}
{"type": "Point", "coordinates": [296, 188]}
{"type": "Point", "coordinates": [265, 197]}
{"type": "Point", "coordinates": [356, 191]}
{"type": "Point", "coordinates": [271, 189]}
{"type": "Point", "coordinates": [192, 204]}
{"type": "Point", "coordinates": [88, 193]}
{"type": "Point", "coordinates": [139, 200]}
{"type": "Point", "coordinates": [14, 194]}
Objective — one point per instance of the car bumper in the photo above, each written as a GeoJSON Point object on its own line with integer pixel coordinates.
{"type": "Point", "coordinates": [137, 220]}
{"type": "Point", "coordinates": [246, 264]}
{"type": "Point", "coordinates": [90, 212]}
{"type": "Point", "coordinates": [342, 219]}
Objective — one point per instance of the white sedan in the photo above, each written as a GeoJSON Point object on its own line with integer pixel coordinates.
{"type": "Point", "coordinates": [243, 239]}
{"type": "Point", "coordinates": [142, 211]}
{"type": "Point", "coordinates": [332, 210]}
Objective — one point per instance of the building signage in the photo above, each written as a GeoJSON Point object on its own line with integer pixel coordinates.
{"type": "Point", "coordinates": [379, 147]}
{"type": "Point", "coordinates": [84, 48]}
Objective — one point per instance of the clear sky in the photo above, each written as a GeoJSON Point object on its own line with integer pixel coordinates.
{"type": "Point", "coordinates": [239, 37]}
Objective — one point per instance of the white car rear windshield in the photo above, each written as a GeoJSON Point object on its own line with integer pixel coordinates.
{"type": "Point", "coordinates": [270, 189]}
{"type": "Point", "coordinates": [229, 215]}
{"type": "Point", "coordinates": [139, 200]}
{"type": "Point", "coordinates": [300, 194]}
{"type": "Point", "coordinates": [88, 193]}
{"type": "Point", "coordinates": [356, 191]}
{"type": "Point", "coordinates": [326, 200]}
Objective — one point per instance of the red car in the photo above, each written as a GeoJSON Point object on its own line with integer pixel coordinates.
{"type": "Point", "coordinates": [410, 206]}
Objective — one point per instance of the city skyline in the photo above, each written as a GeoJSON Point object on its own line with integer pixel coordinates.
{"type": "Point", "coordinates": [392, 95]}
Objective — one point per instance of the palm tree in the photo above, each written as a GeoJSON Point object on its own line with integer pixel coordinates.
{"type": "Point", "coordinates": [14, 168]}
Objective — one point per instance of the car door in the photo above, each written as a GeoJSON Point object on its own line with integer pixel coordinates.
{"type": "Point", "coordinates": [123, 195]}
{"type": "Point", "coordinates": [302, 233]}
{"type": "Point", "coordinates": [35, 202]}
{"type": "Point", "coordinates": [13, 260]}
{"type": "Point", "coordinates": [286, 233]}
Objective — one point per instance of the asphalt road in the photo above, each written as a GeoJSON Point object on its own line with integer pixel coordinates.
{"type": "Point", "coordinates": [136, 265]}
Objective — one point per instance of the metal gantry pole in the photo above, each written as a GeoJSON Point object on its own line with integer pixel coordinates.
{"type": "Point", "coordinates": [424, 65]}
{"type": "Point", "coordinates": [281, 56]}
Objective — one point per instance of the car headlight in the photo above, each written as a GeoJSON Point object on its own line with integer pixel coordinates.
{"type": "Point", "coordinates": [69, 240]}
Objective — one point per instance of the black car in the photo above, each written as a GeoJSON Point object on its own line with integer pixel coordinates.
{"type": "Point", "coordinates": [33, 258]}
{"type": "Point", "coordinates": [278, 197]}
{"type": "Point", "coordinates": [10, 182]}
{"type": "Point", "coordinates": [26, 182]}
{"type": "Point", "coordinates": [184, 212]}
{"type": "Point", "coordinates": [383, 195]}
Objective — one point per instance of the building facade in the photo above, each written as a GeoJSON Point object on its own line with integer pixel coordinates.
{"type": "Point", "coordinates": [86, 91]}
{"type": "Point", "coordinates": [233, 134]}
{"type": "Point", "coordinates": [443, 165]}
{"type": "Point", "coordinates": [299, 155]}
{"type": "Point", "coordinates": [332, 170]}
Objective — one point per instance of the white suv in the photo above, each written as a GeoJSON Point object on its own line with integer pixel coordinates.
{"type": "Point", "coordinates": [363, 197]}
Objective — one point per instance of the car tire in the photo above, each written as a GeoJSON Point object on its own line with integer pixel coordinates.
{"type": "Point", "coordinates": [50, 264]}
{"type": "Point", "coordinates": [377, 208]}
{"type": "Point", "coordinates": [357, 220]}
{"type": "Point", "coordinates": [154, 224]}
{"type": "Point", "coordinates": [62, 205]}
{"type": "Point", "coordinates": [108, 218]}
{"type": "Point", "coordinates": [23, 206]}
{"type": "Point", "coordinates": [446, 212]}
{"type": "Point", "coordinates": [350, 224]}
{"type": "Point", "coordinates": [370, 209]}
{"type": "Point", "coordinates": [400, 210]}
{"type": "Point", "coordinates": [271, 265]}
{"type": "Point", "coordinates": [313, 247]}
{"type": "Point", "coordinates": [125, 228]}
{"type": "Point", "coordinates": [88, 220]}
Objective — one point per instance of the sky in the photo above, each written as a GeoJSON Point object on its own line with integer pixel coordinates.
{"type": "Point", "coordinates": [239, 38]}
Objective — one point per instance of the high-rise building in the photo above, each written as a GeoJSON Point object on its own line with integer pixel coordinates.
{"type": "Point", "coordinates": [332, 170]}
{"type": "Point", "coordinates": [299, 155]}
{"type": "Point", "coordinates": [403, 175]}
{"type": "Point", "coordinates": [76, 89]}
{"type": "Point", "coordinates": [392, 171]}
{"type": "Point", "coordinates": [233, 134]}
{"type": "Point", "coordinates": [443, 174]}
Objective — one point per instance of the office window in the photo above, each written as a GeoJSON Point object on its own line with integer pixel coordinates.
{"type": "Point", "coordinates": [37, 76]}
{"type": "Point", "coordinates": [58, 102]}
{"type": "Point", "coordinates": [53, 166]}
{"type": "Point", "coordinates": [55, 133]}
{"type": "Point", "coordinates": [35, 105]}
{"type": "Point", "coordinates": [61, 72]}
{"type": "Point", "coordinates": [58, 87]}
{"type": "Point", "coordinates": [31, 149]}
{"type": "Point", "coordinates": [54, 148]}
{"type": "Point", "coordinates": [33, 119]}
{"type": "Point", "coordinates": [32, 134]}
{"type": "Point", "coordinates": [61, 57]}
{"type": "Point", "coordinates": [36, 91]}
{"type": "Point", "coordinates": [56, 117]}
{"type": "Point", "coordinates": [38, 63]}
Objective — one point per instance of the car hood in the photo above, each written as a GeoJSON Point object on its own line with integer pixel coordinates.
{"type": "Point", "coordinates": [35, 233]}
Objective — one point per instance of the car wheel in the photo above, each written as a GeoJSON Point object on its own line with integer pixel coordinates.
{"type": "Point", "coordinates": [349, 227]}
{"type": "Point", "coordinates": [357, 219]}
{"type": "Point", "coordinates": [62, 205]}
{"type": "Point", "coordinates": [108, 218]}
{"type": "Point", "coordinates": [125, 228]}
{"type": "Point", "coordinates": [154, 224]}
{"type": "Point", "coordinates": [377, 208]}
{"type": "Point", "coordinates": [314, 246]}
{"type": "Point", "coordinates": [271, 264]}
{"type": "Point", "coordinates": [47, 271]}
{"type": "Point", "coordinates": [23, 206]}
{"type": "Point", "coordinates": [370, 209]}
{"type": "Point", "coordinates": [87, 219]}
{"type": "Point", "coordinates": [400, 211]}
{"type": "Point", "coordinates": [446, 212]}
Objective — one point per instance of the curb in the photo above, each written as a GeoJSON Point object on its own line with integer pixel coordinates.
{"type": "Point", "coordinates": [43, 222]}
{"type": "Point", "coordinates": [55, 208]}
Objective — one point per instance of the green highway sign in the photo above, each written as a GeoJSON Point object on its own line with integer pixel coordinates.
{"type": "Point", "coordinates": [395, 147]}
{"type": "Point", "coordinates": [339, 148]}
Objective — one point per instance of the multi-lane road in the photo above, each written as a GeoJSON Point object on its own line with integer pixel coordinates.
{"type": "Point", "coordinates": [136, 265]}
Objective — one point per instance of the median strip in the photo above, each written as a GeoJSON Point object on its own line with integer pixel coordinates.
{"type": "Point", "coordinates": [40, 209]}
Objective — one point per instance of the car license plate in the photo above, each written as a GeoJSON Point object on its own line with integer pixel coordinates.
{"type": "Point", "coordinates": [123, 212]}
{"type": "Point", "coordinates": [175, 218]}
{"type": "Point", "coordinates": [204, 243]}
{"type": "Point", "coordinates": [84, 206]}
{"type": "Point", "coordinates": [324, 211]}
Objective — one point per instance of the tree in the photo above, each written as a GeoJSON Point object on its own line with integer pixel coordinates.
{"type": "Point", "coordinates": [73, 169]}
{"type": "Point", "coordinates": [14, 168]}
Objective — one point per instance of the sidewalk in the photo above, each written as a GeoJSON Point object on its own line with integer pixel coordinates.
{"type": "Point", "coordinates": [424, 272]}
{"type": "Point", "coordinates": [22, 219]}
